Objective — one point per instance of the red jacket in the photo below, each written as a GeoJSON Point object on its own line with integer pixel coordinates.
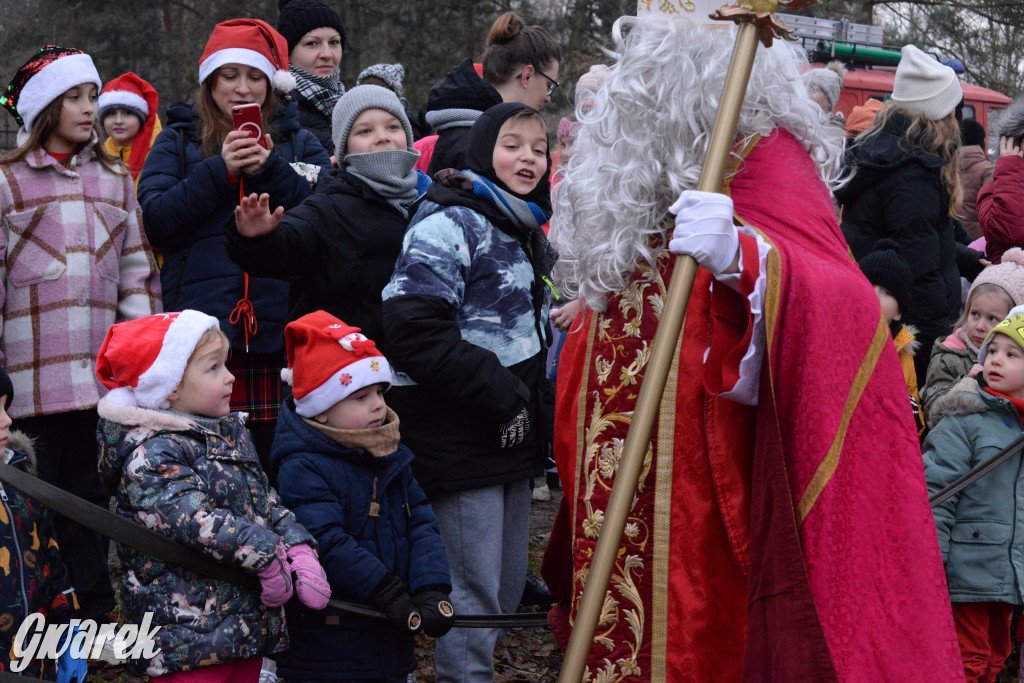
{"type": "Point", "coordinates": [1001, 208]}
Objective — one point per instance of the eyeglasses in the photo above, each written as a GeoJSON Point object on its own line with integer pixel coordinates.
{"type": "Point", "coordinates": [553, 83]}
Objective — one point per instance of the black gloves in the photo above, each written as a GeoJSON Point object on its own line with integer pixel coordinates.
{"type": "Point", "coordinates": [391, 598]}
{"type": "Point", "coordinates": [436, 610]}
{"type": "Point", "coordinates": [514, 431]}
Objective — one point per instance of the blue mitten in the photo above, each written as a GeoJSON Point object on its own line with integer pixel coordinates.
{"type": "Point", "coordinates": [70, 669]}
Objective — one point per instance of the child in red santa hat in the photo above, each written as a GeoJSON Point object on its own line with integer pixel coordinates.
{"type": "Point", "coordinates": [180, 463]}
{"type": "Point", "coordinates": [341, 468]}
{"type": "Point", "coordinates": [127, 112]}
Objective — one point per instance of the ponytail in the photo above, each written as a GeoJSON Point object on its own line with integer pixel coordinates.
{"type": "Point", "coordinates": [511, 45]}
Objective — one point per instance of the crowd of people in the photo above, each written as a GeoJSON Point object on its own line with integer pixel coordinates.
{"type": "Point", "coordinates": [200, 322]}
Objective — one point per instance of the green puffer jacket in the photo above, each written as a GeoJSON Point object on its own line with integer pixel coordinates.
{"type": "Point", "coordinates": [981, 529]}
{"type": "Point", "coordinates": [950, 362]}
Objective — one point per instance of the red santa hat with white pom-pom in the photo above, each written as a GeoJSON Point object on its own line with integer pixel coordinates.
{"type": "Point", "coordinates": [329, 360]}
{"type": "Point", "coordinates": [142, 361]}
{"type": "Point", "coordinates": [251, 42]}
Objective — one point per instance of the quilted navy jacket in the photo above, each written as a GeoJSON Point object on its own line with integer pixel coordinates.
{"type": "Point", "coordinates": [329, 488]}
{"type": "Point", "coordinates": [185, 214]}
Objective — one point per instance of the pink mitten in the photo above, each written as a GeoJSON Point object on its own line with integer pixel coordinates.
{"type": "Point", "coordinates": [310, 579]}
{"type": "Point", "coordinates": [276, 580]}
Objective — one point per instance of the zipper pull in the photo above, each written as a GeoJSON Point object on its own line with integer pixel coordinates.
{"type": "Point", "coordinates": [3, 493]}
{"type": "Point", "coordinates": [374, 505]}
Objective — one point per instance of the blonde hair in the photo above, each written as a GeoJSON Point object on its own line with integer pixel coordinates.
{"type": "Point", "coordinates": [983, 288]}
{"type": "Point", "coordinates": [940, 138]}
{"type": "Point", "coordinates": [211, 335]}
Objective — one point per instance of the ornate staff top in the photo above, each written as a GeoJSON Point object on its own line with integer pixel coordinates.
{"type": "Point", "coordinates": [761, 13]}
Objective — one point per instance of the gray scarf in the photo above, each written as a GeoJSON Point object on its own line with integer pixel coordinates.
{"type": "Point", "coordinates": [391, 174]}
{"type": "Point", "coordinates": [322, 91]}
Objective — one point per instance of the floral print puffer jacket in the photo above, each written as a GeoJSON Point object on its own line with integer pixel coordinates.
{"type": "Point", "coordinates": [199, 482]}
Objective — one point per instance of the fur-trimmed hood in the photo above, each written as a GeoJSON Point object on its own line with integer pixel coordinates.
{"type": "Point", "coordinates": [906, 341]}
{"type": "Point", "coordinates": [20, 442]}
{"type": "Point", "coordinates": [1011, 123]}
{"type": "Point", "coordinates": [965, 398]}
{"type": "Point", "coordinates": [155, 420]}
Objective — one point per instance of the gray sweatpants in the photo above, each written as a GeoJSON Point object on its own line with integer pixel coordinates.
{"type": "Point", "coordinates": [486, 536]}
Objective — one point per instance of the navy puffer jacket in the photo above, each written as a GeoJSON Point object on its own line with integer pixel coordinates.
{"type": "Point", "coordinates": [185, 213]}
{"type": "Point", "coordinates": [329, 488]}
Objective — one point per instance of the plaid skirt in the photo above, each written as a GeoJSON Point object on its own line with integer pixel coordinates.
{"type": "Point", "coordinates": [257, 388]}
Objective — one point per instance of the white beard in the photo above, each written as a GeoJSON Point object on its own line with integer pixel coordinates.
{"type": "Point", "coordinates": [643, 142]}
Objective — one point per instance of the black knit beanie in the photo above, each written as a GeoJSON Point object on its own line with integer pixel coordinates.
{"type": "Point", "coordinates": [299, 17]}
{"type": "Point", "coordinates": [886, 267]}
{"type": "Point", "coordinates": [6, 388]}
{"type": "Point", "coordinates": [972, 133]}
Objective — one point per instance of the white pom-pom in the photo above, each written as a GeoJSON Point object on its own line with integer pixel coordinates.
{"type": "Point", "coordinates": [286, 376]}
{"type": "Point", "coordinates": [283, 82]}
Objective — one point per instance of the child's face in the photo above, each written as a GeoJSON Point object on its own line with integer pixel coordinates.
{"type": "Point", "coordinates": [890, 308]}
{"type": "Point", "coordinates": [205, 389]}
{"type": "Point", "coordinates": [520, 154]}
{"type": "Point", "coordinates": [77, 118]}
{"type": "Point", "coordinates": [1004, 366]}
{"type": "Point", "coordinates": [5, 423]}
{"type": "Point", "coordinates": [375, 130]}
{"type": "Point", "coordinates": [362, 409]}
{"type": "Point", "coordinates": [122, 126]}
{"type": "Point", "coordinates": [986, 311]}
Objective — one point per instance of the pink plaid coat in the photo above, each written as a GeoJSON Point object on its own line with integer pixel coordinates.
{"type": "Point", "coordinates": [74, 260]}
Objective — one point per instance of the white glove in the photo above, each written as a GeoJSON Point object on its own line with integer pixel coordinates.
{"type": "Point", "coordinates": [704, 230]}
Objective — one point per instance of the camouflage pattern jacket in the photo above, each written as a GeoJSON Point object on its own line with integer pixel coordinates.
{"type": "Point", "coordinates": [199, 482]}
{"type": "Point", "coordinates": [34, 578]}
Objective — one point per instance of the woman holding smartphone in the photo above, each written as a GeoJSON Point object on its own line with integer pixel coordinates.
{"type": "Point", "coordinates": [190, 186]}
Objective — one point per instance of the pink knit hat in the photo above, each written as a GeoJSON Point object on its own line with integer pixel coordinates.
{"type": "Point", "coordinates": [568, 128]}
{"type": "Point", "coordinates": [1009, 275]}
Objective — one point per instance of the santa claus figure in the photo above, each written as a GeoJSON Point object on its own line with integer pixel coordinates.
{"type": "Point", "coordinates": [781, 528]}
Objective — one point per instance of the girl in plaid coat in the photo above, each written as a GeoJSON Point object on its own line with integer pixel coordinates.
{"type": "Point", "coordinates": [73, 261]}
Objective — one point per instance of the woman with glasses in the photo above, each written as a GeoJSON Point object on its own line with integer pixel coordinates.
{"type": "Point", "coordinates": [519, 65]}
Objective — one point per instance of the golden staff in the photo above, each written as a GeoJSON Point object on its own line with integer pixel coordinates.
{"type": "Point", "coordinates": [757, 24]}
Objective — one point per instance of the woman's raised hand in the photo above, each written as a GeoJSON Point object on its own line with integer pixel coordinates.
{"type": "Point", "coordinates": [253, 217]}
{"type": "Point", "coordinates": [243, 154]}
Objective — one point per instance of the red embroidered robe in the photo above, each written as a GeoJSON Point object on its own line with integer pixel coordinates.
{"type": "Point", "coordinates": [791, 541]}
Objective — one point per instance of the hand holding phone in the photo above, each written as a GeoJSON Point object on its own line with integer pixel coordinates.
{"type": "Point", "coordinates": [248, 118]}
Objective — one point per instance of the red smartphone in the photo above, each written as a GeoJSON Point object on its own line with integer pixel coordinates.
{"type": "Point", "coordinates": [249, 118]}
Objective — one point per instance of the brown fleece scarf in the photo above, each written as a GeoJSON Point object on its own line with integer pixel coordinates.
{"type": "Point", "coordinates": [377, 441]}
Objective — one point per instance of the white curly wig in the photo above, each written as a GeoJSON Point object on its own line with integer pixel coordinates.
{"type": "Point", "coordinates": [643, 141]}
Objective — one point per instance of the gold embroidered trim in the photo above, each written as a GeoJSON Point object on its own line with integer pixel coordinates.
{"type": "Point", "coordinates": [663, 518]}
{"type": "Point", "coordinates": [827, 467]}
{"type": "Point", "coordinates": [581, 411]}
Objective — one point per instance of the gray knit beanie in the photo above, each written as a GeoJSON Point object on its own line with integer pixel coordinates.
{"type": "Point", "coordinates": [355, 102]}
{"type": "Point", "coordinates": [827, 81]}
{"type": "Point", "coordinates": [392, 74]}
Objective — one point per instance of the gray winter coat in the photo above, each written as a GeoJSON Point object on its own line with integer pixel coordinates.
{"type": "Point", "coordinates": [981, 529]}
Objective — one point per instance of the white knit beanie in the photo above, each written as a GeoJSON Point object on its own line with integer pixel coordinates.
{"type": "Point", "coordinates": [924, 86]}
